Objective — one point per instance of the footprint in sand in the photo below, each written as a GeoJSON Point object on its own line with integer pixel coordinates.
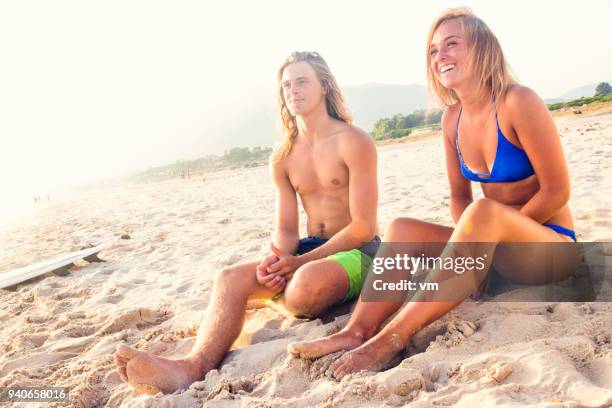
{"type": "Point", "coordinates": [77, 315]}
{"type": "Point", "coordinates": [34, 360]}
{"type": "Point", "coordinates": [71, 293]}
{"type": "Point", "coordinates": [38, 318]}
{"type": "Point", "coordinates": [78, 330]}
{"type": "Point", "coordinates": [160, 237]}
{"type": "Point", "coordinates": [226, 388]}
{"type": "Point", "coordinates": [112, 299]}
{"type": "Point", "coordinates": [564, 311]}
{"type": "Point", "coordinates": [135, 319]}
{"type": "Point", "coordinates": [450, 396]}
{"type": "Point", "coordinates": [491, 367]}
{"type": "Point", "coordinates": [183, 288]}
{"type": "Point", "coordinates": [401, 381]}
{"type": "Point", "coordinates": [250, 231]}
{"type": "Point", "coordinates": [29, 341]}
{"type": "Point", "coordinates": [456, 332]}
{"type": "Point", "coordinates": [73, 345]}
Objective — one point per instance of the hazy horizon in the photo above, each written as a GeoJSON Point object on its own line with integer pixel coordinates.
{"type": "Point", "coordinates": [100, 90]}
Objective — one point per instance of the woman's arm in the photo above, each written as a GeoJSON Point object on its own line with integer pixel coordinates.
{"type": "Point", "coordinates": [538, 136]}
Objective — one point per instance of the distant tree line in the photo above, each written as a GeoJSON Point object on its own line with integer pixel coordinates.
{"type": "Point", "coordinates": [244, 154]}
{"type": "Point", "coordinates": [238, 156]}
{"type": "Point", "coordinates": [400, 125]}
{"type": "Point", "coordinates": [603, 93]}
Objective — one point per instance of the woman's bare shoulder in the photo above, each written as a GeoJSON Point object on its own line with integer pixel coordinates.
{"type": "Point", "coordinates": [450, 117]}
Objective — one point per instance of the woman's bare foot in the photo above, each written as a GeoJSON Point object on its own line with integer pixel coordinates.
{"type": "Point", "coordinates": [151, 374]}
{"type": "Point", "coordinates": [374, 355]}
{"type": "Point", "coordinates": [343, 340]}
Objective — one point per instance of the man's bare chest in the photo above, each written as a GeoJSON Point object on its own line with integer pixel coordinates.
{"type": "Point", "coordinates": [309, 174]}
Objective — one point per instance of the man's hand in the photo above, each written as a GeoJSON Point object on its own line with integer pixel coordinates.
{"type": "Point", "coordinates": [271, 281]}
{"type": "Point", "coordinates": [286, 265]}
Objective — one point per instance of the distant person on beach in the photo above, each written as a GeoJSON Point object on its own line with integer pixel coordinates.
{"type": "Point", "coordinates": [331, 165]}
{"type": "Point", "coordinates": [496, 133]}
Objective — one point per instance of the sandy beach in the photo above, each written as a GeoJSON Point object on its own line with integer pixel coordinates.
{"type": "Point", "coordinates": [151, 292]}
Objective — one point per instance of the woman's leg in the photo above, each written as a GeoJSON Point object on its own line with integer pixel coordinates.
{"type": "Point", "coordinates": [367, 317]}
{"type": "Point", "coordinates": [484, 221]}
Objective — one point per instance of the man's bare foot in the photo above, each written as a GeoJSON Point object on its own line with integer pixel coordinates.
{"type": "Point", "coordinates": [150, 374]}
{"type": "Point", "coordinates": [374, 355]}
{"type": "Point", "coordinates": [343, 340]}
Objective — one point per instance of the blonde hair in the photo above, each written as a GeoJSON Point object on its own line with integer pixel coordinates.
{"type": "Point", "coordinates": [485, 58]}
{"type": "Point", "coordinates": [333, 99]}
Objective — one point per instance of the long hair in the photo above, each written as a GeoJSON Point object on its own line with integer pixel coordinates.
{"type": "Point", "coordinates": [333, 99]}
{"type": "Point", "coordinates": [485, 58]}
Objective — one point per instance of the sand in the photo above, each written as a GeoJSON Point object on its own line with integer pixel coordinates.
{"type": "Point", "coordinates": [62, 331]}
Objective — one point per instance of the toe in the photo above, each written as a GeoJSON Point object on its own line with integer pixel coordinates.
{"type": "Point", "coordinates": [119, 362]}
{"type": "Point", "coordinates": [122, 373]}
{"type": "Point", "coordinates": [292, 349]}
{"type": "Point", "coordinates": [125, 352]}
{"type": "Point", "coordinates": [336, 364]}
{"type": "Point", "coordinates": [339, 372]}
{"type": "Point", "coordinates": [296, 349]}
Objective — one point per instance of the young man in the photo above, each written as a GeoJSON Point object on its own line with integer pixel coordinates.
{"type": "Point", "coordinates": [332, 166]}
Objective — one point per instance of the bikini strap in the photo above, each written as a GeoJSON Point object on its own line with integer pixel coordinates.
{"type": "Point", "coordinates": [457, 137]}
{"type": "Point", "coordinates": [457, 126]}
{"type": "Point", "coordinates": [495, 107]}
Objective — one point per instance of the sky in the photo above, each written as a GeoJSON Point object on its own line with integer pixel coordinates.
{"type": "Point", "coordinates": [91, 90]}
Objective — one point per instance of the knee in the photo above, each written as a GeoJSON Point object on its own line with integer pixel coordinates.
{"type": "Point", "coordinates": [481, 220]}
{"type": "Point", "coordinates": [230, 277]}
{"type": "Point", "coordinates": [304, 291]}
{"type": "Point", "coordinates": [484, 210]}
{"type": "Point", "coordinates": [405, 227]}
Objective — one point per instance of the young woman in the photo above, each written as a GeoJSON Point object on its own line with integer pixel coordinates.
{"type": "Point", "coordinates": [496, 133]}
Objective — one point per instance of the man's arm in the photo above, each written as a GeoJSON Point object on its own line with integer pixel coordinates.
{"type": "Point", "coordinates": [359, 153]}
{"type": "Point", "coordinates": [286, 231]}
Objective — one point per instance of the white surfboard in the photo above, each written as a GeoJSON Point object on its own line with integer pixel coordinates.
{"type": "Point", "coordinates": [19, 275]}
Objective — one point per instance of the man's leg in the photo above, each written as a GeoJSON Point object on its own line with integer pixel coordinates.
{"type": "Point", "coordinates": [220, 327]}
{"type": "Point", "coordinates": [367, 317]}
{"type": "Point", "coordinates": [315, 287]}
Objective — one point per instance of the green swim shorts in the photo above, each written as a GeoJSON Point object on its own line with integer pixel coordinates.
{"type": "Point", "coordinates": [355, 262]}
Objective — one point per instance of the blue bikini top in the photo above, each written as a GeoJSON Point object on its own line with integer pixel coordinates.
{"type": "Point", "coordinates": [511, 163]}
